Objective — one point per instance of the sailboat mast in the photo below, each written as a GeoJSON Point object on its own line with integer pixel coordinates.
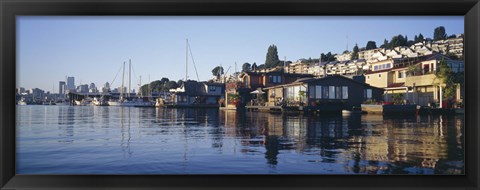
{"type": "Point", "coordinates": [149, 91]}
{"type": "Point", "coordinates": [129, 76]}
{"type": "Point", "coordinates": [123, 77]}
{"type": "Point", "coordinates": [186, 60]}
{"type": "Point", "coordinates": [140, 87]}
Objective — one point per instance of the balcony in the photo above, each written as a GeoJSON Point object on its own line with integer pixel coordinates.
{"type": "Point", "coordinates": [234, 85]}
{"type": "Point", "coordinates": [426, 79]}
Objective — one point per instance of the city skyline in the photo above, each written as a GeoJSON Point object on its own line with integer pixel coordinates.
{"type": "Point", "coordinates": [93, 49]}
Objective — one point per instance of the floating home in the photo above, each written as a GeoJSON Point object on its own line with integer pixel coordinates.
{"type": "Point", "coordinates": [197, 94]}
{"type": "Point", "coordinates": [238, 94]}
{"type": "Point", "coordinates": [328, 94]}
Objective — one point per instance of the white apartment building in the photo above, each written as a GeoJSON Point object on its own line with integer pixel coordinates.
{"type": "Point", "coordinates": [297, 68]}
{"type": "Point", "coordinates": [344, 56]}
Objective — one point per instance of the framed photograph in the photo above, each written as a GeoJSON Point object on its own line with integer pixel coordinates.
{"type": "Point", "coordinates": [239, 94]}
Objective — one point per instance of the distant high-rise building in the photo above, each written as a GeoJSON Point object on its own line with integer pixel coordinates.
{"type": "Point", "coordinates": [37, 93]}
{"type": "Point", "coordinates": [61, 87]}
{"type": "Point", "coordinates": [106, 87]}
{"type": "Point", "coordinates": [70, 83]}
{"type": "Point", "coordinates": [20, 90]}
{"type": "Point", "coordinates": [82, 88]}
{"type": "Point", "coordinates": [92, 85]}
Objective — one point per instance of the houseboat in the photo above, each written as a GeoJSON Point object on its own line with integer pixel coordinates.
{"type": "Point", "coordinates": [197, 94]}
{"type": "Point", "coordinates": [330, 94]}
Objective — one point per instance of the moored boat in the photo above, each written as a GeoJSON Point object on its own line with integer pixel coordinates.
{"type": "Point", "coordinates": [99, 102]}
{"type": "Point", "coordinates": [22, 102]}
{"type": "Point", "coordinates": [83, 102]}
{"type": "Point", "coordinates": [354, 110]}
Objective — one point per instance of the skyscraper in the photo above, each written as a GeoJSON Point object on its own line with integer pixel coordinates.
{"type": "Point", "coordinates": [61, 87]}
{"type": "Point", "coordinates": [70, 83]}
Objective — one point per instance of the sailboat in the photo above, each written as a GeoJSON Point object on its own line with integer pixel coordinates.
{"type": "Point", "coordinates": [122, 101]}
{"type": "Point", "coordinates": [141, 102]}
{"type": "Point", "coordinates": [84, 102]}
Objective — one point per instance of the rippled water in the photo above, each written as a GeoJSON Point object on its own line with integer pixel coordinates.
{"type": "Point", "coordinates": [123, 140]}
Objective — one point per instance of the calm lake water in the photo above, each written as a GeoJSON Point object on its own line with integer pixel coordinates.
{"type": "Point", "coordinates": [123, 140]}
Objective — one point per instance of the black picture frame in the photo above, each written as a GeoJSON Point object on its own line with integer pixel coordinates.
{"type": "Point", "coordinates": [470, 9]}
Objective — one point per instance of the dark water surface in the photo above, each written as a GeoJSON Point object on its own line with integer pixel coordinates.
{"type": "Point", "coordinates": [123, 140]}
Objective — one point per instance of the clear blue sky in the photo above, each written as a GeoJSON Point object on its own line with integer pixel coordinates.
{"type": "Point", "coordinates": [92, 49]}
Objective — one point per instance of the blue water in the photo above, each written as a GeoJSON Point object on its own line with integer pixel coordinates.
{"type": "Point", "coordinates": [123, 140]}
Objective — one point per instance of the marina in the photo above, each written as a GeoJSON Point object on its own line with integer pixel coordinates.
{"type": "Point", "coordinates": [330, 108]}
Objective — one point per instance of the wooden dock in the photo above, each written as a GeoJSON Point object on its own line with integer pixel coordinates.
{"type": "Point", "coordinates": [389, 109]}
{"type": "Point", "coordinates": [265, 108]}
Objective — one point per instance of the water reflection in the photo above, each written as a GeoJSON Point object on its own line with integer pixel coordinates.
{"type": "Point", "coordinates": [157, 140]}
{"type": "Point", "coordinates": [125, 120]}
{"type": "Point", "coordinates": [362, 143]}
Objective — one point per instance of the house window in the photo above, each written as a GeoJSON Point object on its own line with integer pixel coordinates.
{"type": "Point", "coordinates": [275, 79]}
{"type": "Point", "coordinates": [344, 92]}
{"type": "Point", "coordinates": [338, 92]}
{"type": "Point", "coordinates": [318, 92]}
{"type": "Point", "coordinates": [182, 98]}
{"type": "Point", "coordinates": [389, 65]}
{"type": "Point", "coordinates": [379, 75]}
{"type": "Point", "coordinates": [331, 92]}
{"type": "Point", "coordinates": [325, 92]}
{"type": "Point", "coordinates": [375, 67]}
{"type": "Point", "coordinates": [311, 92]}
{"type": "Point", "coordinates": [401, 74]}
{"type": "Point", "coordinates": [212, 88]}
{"type": "Point", "coordinates": [368, 93]}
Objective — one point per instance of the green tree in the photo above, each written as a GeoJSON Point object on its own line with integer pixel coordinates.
{"type": "Point", "coordinates": [302, 94]}
{"type": "Point", "coordinates": [439, 33]}
{"type": "Point", "coordinates": [144, 89]}
{"type": "Point", "coordinates": [396, 41]}
{"type": "Point", "coordinates": [156, 86]}
{"type": "Point", "coordinates": [413, 70]}
{"type": "Point", "coordinates": [246, 67]}
{"type": "Point", "coordinates": [217, 71]}
{"type": "Point", "coordinates": [445, 76]}
{"type": "Point", "coordinates": [355, 52]}
{"type": "Point", "coordinates": [371, 45]}
{"type": "Point", "coordinates": [327, 57]}
{"type": "Point", "coordinates": [419, 38]}
{"type": "Point", "coordinates": [262, 66]}
{"type": "Point", "coordinates": [254, 66]}
{"type": "Point", "coordinates": [272, 59]}
{"type": "Point", "coordinates": [180, 83]}
{"type": "Point", "coordinates": [162, 85]}
{"type": "Point", "coordinates": [164, 80]}
{"type": "Point", "coordinates": [170, 85]}
{"type": "Point", "coordinates": [397, 98]}
{"type": "Point", "coordinates": [410, 42]}
{"type": "Point", "coordinates": [385, 44]}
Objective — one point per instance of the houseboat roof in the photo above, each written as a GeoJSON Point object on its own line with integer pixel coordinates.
{"type": "Point", "coordinates": [308, 80]}
{"type": "Point", "coordinates": [278, 72]}
{"type": "Point", "coordinates": [195, 88]}
{"type": "Point", "coordinates": [396, 85]}
{"type": "Point", "coordinates": [369, 72]}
